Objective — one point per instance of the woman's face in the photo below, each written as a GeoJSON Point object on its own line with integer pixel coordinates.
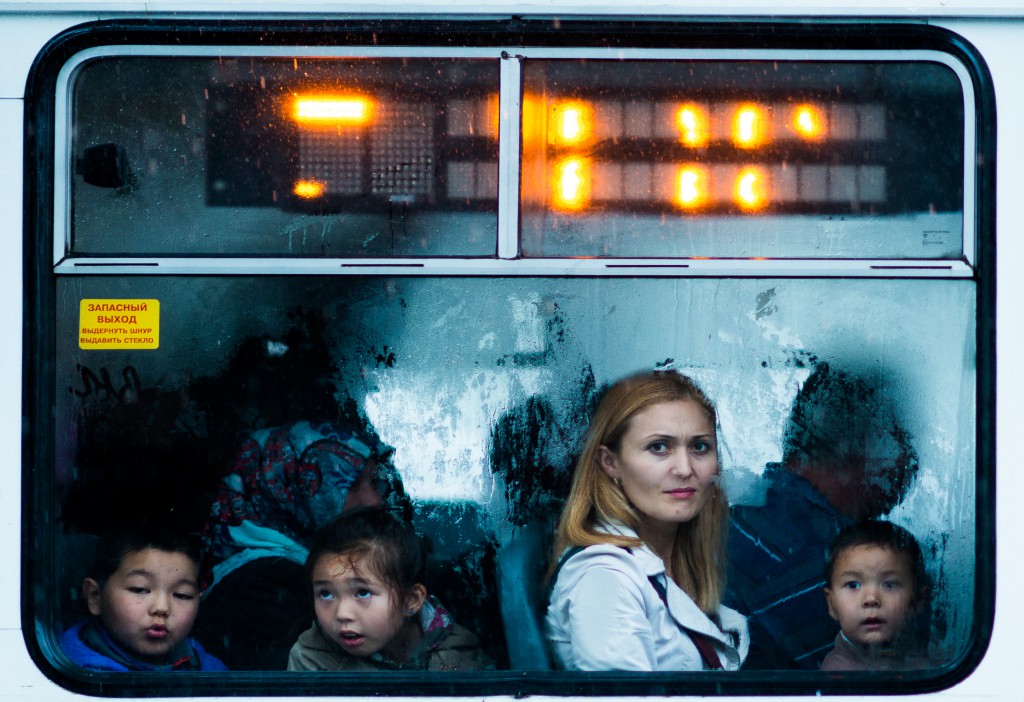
{"type": "Point", "coordinates": [667, 463]}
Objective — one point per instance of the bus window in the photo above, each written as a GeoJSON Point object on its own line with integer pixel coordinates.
{"type": "Point", "coordinates": [452, 251]}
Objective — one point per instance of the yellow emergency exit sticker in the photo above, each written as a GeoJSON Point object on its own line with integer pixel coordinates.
{"type": "Point", "coordinates": [119, 324]}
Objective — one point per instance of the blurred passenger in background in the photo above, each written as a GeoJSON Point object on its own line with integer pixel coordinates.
{"type": "Point", "coordinates": [845, 458]}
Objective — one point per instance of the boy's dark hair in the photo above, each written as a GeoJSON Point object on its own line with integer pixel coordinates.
{"type": "Point", "coordinates": [391, 547]}
{"type": "Point", "coordinates": [873, 532]}
{"type": "Point", "coordinates": [114, 547]}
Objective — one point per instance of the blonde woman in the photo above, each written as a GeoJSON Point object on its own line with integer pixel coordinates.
{"type": "Point", "coordinates": [640, 546]}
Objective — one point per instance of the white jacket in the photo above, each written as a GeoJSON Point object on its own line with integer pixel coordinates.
{"type": "Point", "coordinates": [606, 615]}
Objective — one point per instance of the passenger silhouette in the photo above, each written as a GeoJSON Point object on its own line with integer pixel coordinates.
{"type": "Point", "coordinates": [846, 457]}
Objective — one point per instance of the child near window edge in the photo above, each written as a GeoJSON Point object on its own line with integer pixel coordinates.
{"type": "Point", "coordinates": [143, 598]}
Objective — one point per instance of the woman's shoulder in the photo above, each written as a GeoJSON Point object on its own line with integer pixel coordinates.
{"type": "Point", "coordinates": [597, 554]}
{"type": "Point", "coordinates": [600, 561]}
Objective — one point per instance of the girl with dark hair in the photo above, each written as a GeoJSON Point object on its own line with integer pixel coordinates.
{"type": "Point", "coordinates": [372, 611]}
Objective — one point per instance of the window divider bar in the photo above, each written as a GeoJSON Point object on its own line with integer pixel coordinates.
{"type": "Point", "coordinates": [524, 267]}
{"type": "Point", "coordinates": [510, 117]}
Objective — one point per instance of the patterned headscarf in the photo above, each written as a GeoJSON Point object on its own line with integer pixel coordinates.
{"type": "Point", "coordinates": [291, 479]}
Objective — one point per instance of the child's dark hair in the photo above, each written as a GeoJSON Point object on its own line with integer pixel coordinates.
{"type": "Point", "coordinates": [873, 532]}
{"type": "Point", "coordinates": [390, 547]}
{"type": "Point", "coordinates": [114, 547]}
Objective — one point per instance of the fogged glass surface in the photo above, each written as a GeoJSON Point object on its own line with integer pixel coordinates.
{"type": "Point", "coordinates": [747, 159]}
{"type": "Point", "coordinates": [483, 387]}
{"type": "Point", "coordinates": [290, 157]}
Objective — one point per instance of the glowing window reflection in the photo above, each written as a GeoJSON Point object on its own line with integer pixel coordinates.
{"type": "Point", "coordinates": [809, 122]}
{"type": "Point", "coordinates": [692, 121]}
{"type": "Point", "coordinates": [571, 184]}
{"type": "Point", "coordinates": [308, 189]}
{"type": "Point", "coordinates": [750, 126]}
{"type": "Point", "coordinates": [344, 110]}
{"type": "Point", "coordinates": [692, 191]}
{"type": "Point", "coordinates": [751, 188]}
{"type": "Point", "coordinates": [571, 123]}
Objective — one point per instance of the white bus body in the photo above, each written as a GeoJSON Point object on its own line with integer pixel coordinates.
{"type": "Point", "coordinates": [982, 379]}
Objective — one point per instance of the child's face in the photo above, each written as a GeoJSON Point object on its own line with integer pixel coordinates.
{"type": "Point", "coordinates": [150, 602]}
{"type": "Point", "coordinates": [871, 593]}
{"type": "Point", "coordinates": [357, 610]}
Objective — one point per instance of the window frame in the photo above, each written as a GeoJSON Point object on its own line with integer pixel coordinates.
{"type": "Point", "coordinates": [508, 259]}
{"type": "Point", "coordinates": [46, 258]}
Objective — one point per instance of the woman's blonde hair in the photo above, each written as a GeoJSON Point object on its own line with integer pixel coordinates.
{"type": "Point", "coordinates": [698, 559]}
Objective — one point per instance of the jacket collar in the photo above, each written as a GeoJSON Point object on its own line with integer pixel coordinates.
{"type": "Point", "coordinates": [681, 607]}
{"type": "Point", "coordinates": [651, 563]}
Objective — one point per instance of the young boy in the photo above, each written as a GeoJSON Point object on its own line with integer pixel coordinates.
{"type": "Point", "coordinates": [876, 587]}
{"type": "Point", "coordinates": [143, 595]}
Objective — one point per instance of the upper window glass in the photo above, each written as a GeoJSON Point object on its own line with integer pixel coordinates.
{"type": "Point", "coordinates": [776, 159]}
{"type": "Point", "coordinates": [284, 157]}
{"type": "Point", "coordinates": [790, 155]}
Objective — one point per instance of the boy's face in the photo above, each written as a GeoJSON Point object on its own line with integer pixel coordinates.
{"type": "Point", "coordinates": [357, 610]}
{"type": "Point", "coordinates": [149, 603]}
{"type": "Point", "coordinates": [871, 593]}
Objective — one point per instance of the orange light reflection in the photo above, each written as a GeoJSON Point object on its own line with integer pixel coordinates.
{"type": "Point", "coordinates": [809, 122]}
{"type": "Point", "coordinates": [493, 116]}
{"type": "Point", "coordinates": [308, 189]}
{"type": "Point", "coordinates": [750, 126]}
{"type": "Point", "coordinates": [692, 121]}
{"type": "Point", "coordinates": [572, 123]}
{"type": "Point", "coordinates": [571, 184]}
{"type": "Point", "coordinates": [533, 121]}
{"type": "Point", "coordinates": [751, 189]}
{"type": "Point", "coordinates": [351, 110]}
{"type": "Point", "coordinates": [692, 190]}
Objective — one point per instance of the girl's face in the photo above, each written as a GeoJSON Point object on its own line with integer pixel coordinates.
{"type": "Point", "coordinates": [358, 611]}
{"type": "Point", "coordinates": [667, 463]}
{"type": "Point", "coordinates": [871, 593]}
